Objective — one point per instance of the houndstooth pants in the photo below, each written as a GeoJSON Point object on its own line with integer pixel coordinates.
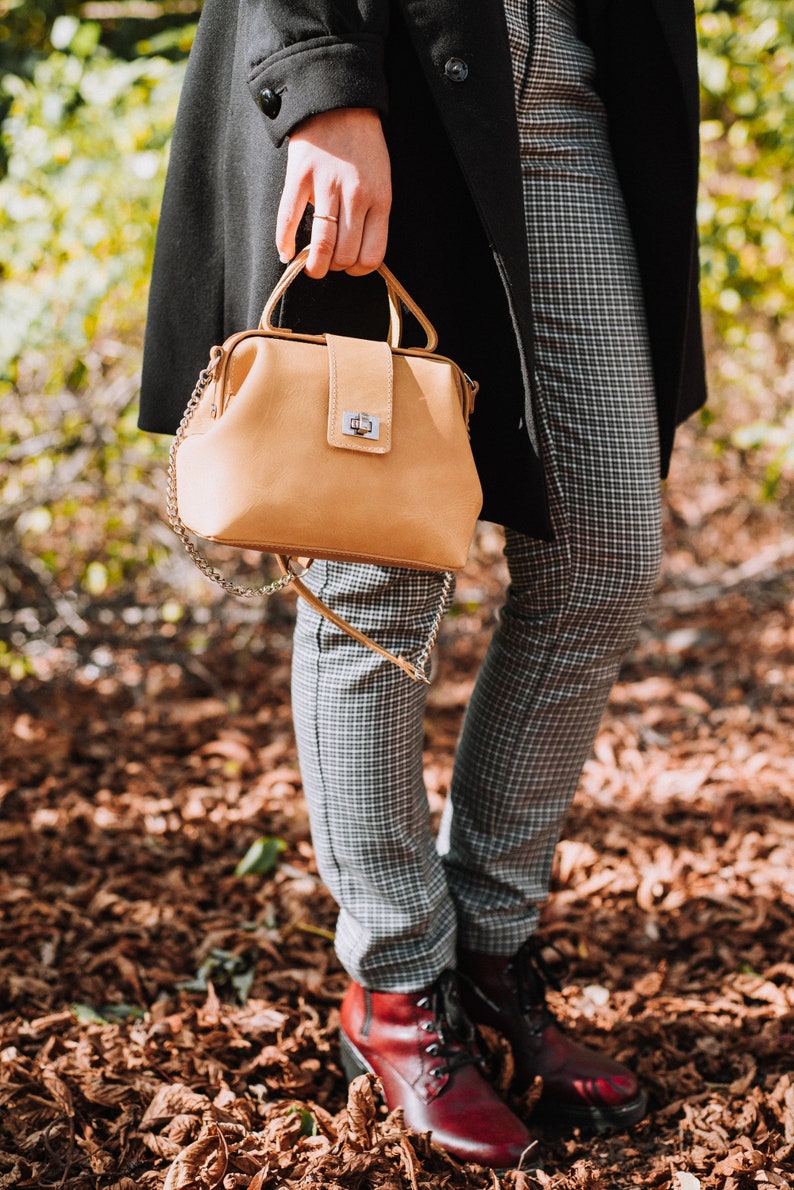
{"type": "Point", "coordinates": [572, 608]}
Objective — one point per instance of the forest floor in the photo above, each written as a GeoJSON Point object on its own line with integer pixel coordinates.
{"type": "Point", "coordinates": [165, 1022]}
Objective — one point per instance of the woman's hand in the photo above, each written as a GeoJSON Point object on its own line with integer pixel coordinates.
{"type": "Point", "coordinates": [338, 162]}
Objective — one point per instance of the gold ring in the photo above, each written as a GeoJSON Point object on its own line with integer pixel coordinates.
{"type": "Point", "coordinates": [330, 218]}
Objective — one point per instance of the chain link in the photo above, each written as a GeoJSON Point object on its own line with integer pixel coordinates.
{"type": "Point", "coordinates": [420, 672]}
{"type": "Point", "coordinates": [172, 509]}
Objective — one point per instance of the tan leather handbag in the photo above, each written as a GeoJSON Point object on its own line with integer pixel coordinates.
{"type": "Point", "coordinates": [321, 446]}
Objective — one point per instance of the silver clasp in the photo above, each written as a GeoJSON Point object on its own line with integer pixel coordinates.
{"type": "Point", "coordinates": [360, 425]}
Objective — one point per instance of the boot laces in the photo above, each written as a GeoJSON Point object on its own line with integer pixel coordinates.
{"type": "Point", "coordinates": [457, 1041]}
{"type": "Point", "coordinates": [533, 975]}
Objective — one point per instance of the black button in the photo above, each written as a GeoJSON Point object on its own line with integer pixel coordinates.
{"type": "Point", "coordinates": [269, 102]}
{"type": "Point", "coordinates": [456, 70]}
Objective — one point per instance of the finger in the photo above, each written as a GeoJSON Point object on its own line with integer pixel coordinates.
{"type": "Point", "coordinates": [294, 199]}
{"type": "Point", "coordinates": [372, 247]}
{"type": "Point", "coordinates": [325, 232]}
{"type": "Point", "coordinates": [364, 230]}
{"type": "Point", "coordinates": [349, 231]}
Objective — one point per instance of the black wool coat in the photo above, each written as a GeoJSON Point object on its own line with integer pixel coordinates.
{"type": "Point", "coordinates": [456, 238]}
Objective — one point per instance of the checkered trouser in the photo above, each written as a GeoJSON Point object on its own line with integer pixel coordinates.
{"type": "Point", "coordinates": [572, 608]}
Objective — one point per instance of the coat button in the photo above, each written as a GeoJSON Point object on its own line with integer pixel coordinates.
{"type": "Point", "coordinates": [456, 70]}
{"type": "Point", "coordinates": [269, 102]}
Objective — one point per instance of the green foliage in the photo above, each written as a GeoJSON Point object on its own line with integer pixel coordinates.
{"type": "Point", "coordinates": [29, 29]}
{"type": "Point", "coordinates": [87, 146]}
{"type": "Point", "coordinates": [108, 1014]}
{"type": "Point", "coordinates": [746, 212]}
{"type": "Point", "coordinates": [223, 969]}
{"type": "Point", "coordinates": [747, 208]}
{"type": "Point", "coordinates": [261, 856]}
{"type": "Point", "coordinates": [24, 30]}
{"type": "Point", "coordinates": [308, 1124]}
{"type": "Point", "coordinates": [772, 437]}
{"type": "Point", "coordinates": [87, 141]}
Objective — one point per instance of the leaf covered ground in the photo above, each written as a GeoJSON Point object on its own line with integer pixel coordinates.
{"type": "Point", "coordinates": [166, 1022]}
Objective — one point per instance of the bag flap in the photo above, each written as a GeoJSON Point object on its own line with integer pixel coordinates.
{"type": "Point", "coordinates": [360, 394]}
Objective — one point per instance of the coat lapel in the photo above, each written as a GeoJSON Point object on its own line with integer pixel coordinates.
{"type": "Point", "coordinates": [676, 18]}
{"type": "Point", "coordinates": [479, 113]}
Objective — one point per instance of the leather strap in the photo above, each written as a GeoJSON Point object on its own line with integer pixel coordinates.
{"type": "Point", "coordinates": [394, 292]}
{"type": "Point", "coordinates": [415, 671]}
{"type": "Point", "coordinates": [360, 394]}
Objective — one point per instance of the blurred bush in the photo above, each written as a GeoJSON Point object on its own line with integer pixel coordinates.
{"type": "Point", "coordinates": [25, 30]}
{"type": "Point", "coordinates": [86, 138]}
{"type": "Point", "coordinates": [746, 217]}
{"type": "Point", "coordinates": [129, 28]}
{"type": "Point", "coordinates": [747, 207]}
{"type": "Point", "coordinates": [89, 107]}
{"type": "Point", "coordinates": [87, 141]}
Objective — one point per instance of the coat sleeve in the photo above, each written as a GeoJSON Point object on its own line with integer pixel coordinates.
{"type": "Point", "coordinates": [309, 56]}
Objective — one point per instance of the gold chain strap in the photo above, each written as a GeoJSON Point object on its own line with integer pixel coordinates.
{"type": "Point", "coordinates": [423, 658]}
{"type": "Point", "coordinates": [172, 508]}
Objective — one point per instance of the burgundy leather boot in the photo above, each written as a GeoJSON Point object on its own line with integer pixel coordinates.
{"type": "Point", "coordinates": [424, 1050]}
{"type": "Point", "coordinates": [581, 1089]}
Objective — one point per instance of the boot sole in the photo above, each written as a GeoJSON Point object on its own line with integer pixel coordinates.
{"type": "Point", "coordinates": [557, 1117]}
{"type": "Point", "coordinates": [353, 1063]}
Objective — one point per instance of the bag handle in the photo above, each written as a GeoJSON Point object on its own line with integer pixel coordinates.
{"type": "Point", "coordinates": [417, 670]}
{"type": "Point", "coordinates": [395, 295]}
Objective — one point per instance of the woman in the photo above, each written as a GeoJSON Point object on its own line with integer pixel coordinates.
{"type": "Point", "coordinates": [528, 168]}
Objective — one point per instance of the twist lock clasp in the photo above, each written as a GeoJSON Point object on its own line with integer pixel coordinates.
{"type": "Point", "coordinates": [360, 425]}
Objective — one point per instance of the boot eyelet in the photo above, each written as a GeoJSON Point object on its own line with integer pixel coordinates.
{"type": "Point", "coordinates": [428, 1026]}
{"type": "Point", "coordinates": [432, 1049]}
{"type": "Point", "coordinates": [437, 1072]}
{"type": "Point", "coordinates": [423, 1003]}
